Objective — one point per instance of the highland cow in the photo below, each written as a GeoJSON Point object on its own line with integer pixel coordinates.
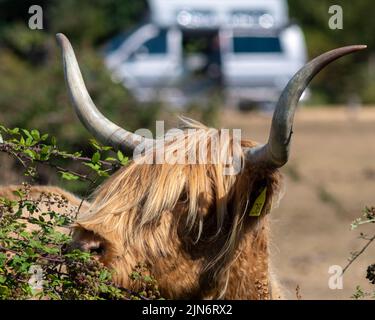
{"type": "Point", "coordinates": [203, 234]}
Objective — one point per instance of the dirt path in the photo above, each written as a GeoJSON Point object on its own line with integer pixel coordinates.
{"type": "Point", "coordinates": [329, 179]}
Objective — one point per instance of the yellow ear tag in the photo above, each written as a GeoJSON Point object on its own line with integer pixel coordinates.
{"type": "Point", "coordinates": [258, 204]}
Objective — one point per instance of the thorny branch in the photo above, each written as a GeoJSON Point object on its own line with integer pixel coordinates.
{"type": "Point", "coordinates": [9, 146]}
{"type": "Point", "coordinates": [13, 150]}
{"type": "Point", "coordinates": [57, 260]}
{"type": "Point", "coordinates": [359, 253]}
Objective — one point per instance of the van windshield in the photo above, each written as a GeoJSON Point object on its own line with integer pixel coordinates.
{"type": "Point", "coordinates": [256, 45]}
{"type": "Point", "coordinates": [158, 44]}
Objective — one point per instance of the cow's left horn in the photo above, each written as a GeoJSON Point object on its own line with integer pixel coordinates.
{"type": "Point", "coordinates": [275, 152]}
{"type": "Point", "coordinates": [100, 127]}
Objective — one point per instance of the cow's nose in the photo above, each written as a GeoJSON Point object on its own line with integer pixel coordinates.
{"type": "Point", "coordinates": [77, 246]}
{"type": "Point", "coordinates": [93, 247]}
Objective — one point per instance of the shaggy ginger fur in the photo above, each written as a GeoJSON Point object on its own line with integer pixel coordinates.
{"type": "Point", "coordinates": [49, 198]}
{"type": "Point", "coordinates": [188, 223]}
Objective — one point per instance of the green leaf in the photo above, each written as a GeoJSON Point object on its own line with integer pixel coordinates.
{"type": "Point", "coordinates": [19, 193]}
{"type": "Point", "coordinates": [25, 234]}
{"type": "Point", "coordinates": [3, 258]}
{"type": "Point", "coordinates": [27, 133]}
{"type": "Point", "coordinates": [2, 279]}
{"type": "Point", "coordinates": [3, 128]}
{"type": "Point", "coordinates": [35, 134]}
{"type": "Point", "coordinates": [95, 144]}
{"type": "Point", "coordinates": [14, 131]}
{"type": "Point", "coordinates": [96, 157]}
{"type": "Point", "coordinates": [53, 141]}
{"type": "Point", "coordinates": [123, 160]}
{"type": "Point", "coordinates": [120, 155]}
{"type": "Point", "coordinates": [95, 167]}
{"type": "Point", "coordinates": [29, 141]}
{"type": "Point", "coordinates": [31, 153]}
{"type": "Point", "coordinates": [68, 176]}
{"type": "Point", "coordinates": [104, 275]}
{"type": "Point", "coordinates": [148, 279]}
{"type": "Point", "coordinates": [4, 291]}
{"type": "Point", "coordinates": [45, 153]}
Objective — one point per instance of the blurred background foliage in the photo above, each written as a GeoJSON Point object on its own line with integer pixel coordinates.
{"type": "Point", "coordinates": [350, 80]}
{"type": "Point", "coordinates": [32, 89]}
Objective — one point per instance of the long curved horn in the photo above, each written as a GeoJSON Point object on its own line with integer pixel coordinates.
{"type": "Point", "coordinates": [100, 127]}
{"type": "Point", "coordinates": [276, 152]}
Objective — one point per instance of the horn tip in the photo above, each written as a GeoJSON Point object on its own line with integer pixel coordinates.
{"type": "Point", "coordinates": [361, 46]}
{"type": "Point", "coordinates": [358, 47]}
{"type": "Point", "coordinates": [62, 40]}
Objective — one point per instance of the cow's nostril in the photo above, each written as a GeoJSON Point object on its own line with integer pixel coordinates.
{"type": "Point", "coordinates": [76, 246]}
{"type": "Point", "coordinates": [99, 250]}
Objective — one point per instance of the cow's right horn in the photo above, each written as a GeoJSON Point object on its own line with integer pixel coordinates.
{"type": "Point", "coordinates": [275, 153]}
{"type": "Point", "coordinates": [100, 127]}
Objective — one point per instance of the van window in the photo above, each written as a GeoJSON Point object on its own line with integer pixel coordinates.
{"type": "Point", "coordinates": [157, 45]}
{"type": "Point", "coordinates": [256, 45]}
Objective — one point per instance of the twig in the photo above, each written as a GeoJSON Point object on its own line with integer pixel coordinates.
{"type": "Point", "coordinates": [43, 257]}
{"type": "Point", "coordinates": [19, 159]}
{"type": "Point", "coordinates": [356, 256]}
{"type": "Point", "coordinates": [83, 177]}
{"type": "Point", "coordinates": [7, 146]}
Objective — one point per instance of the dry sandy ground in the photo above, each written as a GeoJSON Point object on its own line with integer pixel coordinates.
{"type": "Point", "coordinates": [329, 179]}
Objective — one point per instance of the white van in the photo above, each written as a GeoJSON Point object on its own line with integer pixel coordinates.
{"type": "Point", "coordinates": [245, 48]}
{"type": "Point", "coordinates": [148, 62]}
{"type": "Point", "coordinates": [256, 65]}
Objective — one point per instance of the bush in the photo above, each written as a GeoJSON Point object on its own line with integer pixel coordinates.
{"type": "Point", "coordinates": [34, 234]}
{"type": "Point", "coordinates": [368, 216]}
